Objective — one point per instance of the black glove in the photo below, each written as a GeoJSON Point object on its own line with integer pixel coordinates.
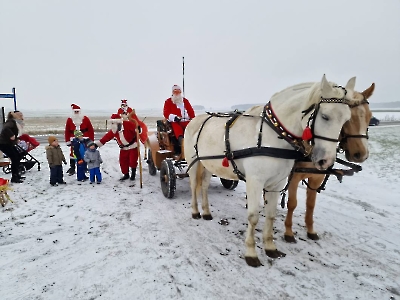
{"type": "Point", "coordinates": [177, 119]}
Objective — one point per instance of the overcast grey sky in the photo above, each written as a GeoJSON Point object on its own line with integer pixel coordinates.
{"type": "Point", "coordinates": [95, 53]}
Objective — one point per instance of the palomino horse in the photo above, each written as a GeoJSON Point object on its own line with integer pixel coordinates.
{"type": "Point", "coordinates": [258, 148]}
{"type": "Point", "coordinates": [353, 141]}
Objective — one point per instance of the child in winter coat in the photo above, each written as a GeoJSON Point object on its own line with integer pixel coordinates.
{"type": "Point", "coordinates": [93, 159]}
{"type": "Point", "coordinates": [79, 144]}
{"type": "Point", "coordinates": [55, 157]}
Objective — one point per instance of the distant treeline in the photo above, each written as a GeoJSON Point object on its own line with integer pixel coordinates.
{"type": "Point", "coordinates": [385, 104]}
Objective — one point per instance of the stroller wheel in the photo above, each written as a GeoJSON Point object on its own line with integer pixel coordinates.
{"type": "Point", "coordinates": [7, 169]}
{"type": "Point", "coordinates": [21, 170]}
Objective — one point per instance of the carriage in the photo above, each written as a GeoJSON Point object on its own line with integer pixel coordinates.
{"type": "Point", "coordinates": [164, 154]}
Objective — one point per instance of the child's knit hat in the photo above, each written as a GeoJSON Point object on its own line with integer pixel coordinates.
{"type": "Point", "coordinates": [78, 133]}
{"type": "Point", "coordinates": [51, 139]}
{"type": "Point", "coordinates": [91, 143]}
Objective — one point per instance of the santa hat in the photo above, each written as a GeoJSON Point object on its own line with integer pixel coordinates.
{"type": "Point", "coordinates": [115, 118]}
{"type": "Point", "coordinates": [75, 107]}
{"type": "Point", "coordinates": [176, 87]}
{"type": "Point", "coordinates": [124, 101]}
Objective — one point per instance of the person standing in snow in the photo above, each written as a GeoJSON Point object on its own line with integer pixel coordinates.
{"type": "Point", "coordinates": [124, 132]}
{"type": "Point", "coordinates": [55, 158]}
{"type": "Point", "coordinates": [77, 122]}
{"type": "Point", "coordinates": [93, 159]}
{"type": "Point", "coordinates": [79, 145]}
{"type": "Point", "coordinates": [124, 110]}
{"type": "Point", "coordinates": [178, 111]}
{"type": "Point", "coordinates": [8, 140]}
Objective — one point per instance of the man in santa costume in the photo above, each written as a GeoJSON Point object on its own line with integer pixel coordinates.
{"type": "Point", "coordinates": [178, 111]}
{"type": "Point", "coordinates": [124, 132]}
{"type": "Point", "coordinates": [77, 122]}
{"type": "Point", "coordinates": [124, 110]}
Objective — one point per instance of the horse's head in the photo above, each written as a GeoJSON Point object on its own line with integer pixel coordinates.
{"type": "Point", "coordinates": [328, 112]}
{"type": "Point", "coordinates": [354, 135]}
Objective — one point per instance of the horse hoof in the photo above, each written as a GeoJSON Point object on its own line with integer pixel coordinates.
{"type": "Point", "coordinates": [253, 262]}
{"type": "Point", "coordinates": [196, 216]}
{"type": "Point", "coordinates": [313, 236]}
{"type": "Point", "coordinates": [274, 253]}
{"type": "Point", "coordinates": [290, 239]}
{"type": "Point", "coordinates": [207, 217]}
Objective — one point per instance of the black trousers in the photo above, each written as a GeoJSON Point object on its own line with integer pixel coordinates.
{"type": "Point", "coordinates": [13, 155]}
{"type": "Point", "coordinates": [56, 174]}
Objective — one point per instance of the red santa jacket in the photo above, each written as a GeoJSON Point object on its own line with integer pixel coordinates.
{"type": "Point", "coordinates": [126, 137]}
{"type": "Point", "coordinates": [171, 110]}
{"type": "Point", "coordinates": [85, 126]}
{"type": "Point", "coordinates": [121, 111]}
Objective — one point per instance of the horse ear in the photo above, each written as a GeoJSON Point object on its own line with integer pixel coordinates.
{"type": "Point", "coordinates": [369, 91]}
{"type": "Point", "coordinates": [351, 84]}
{"type": "Point", "coordinates": [325, 86]}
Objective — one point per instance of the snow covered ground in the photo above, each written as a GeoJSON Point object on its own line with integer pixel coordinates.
{"type": "Point", "coordinates": [113, 241]}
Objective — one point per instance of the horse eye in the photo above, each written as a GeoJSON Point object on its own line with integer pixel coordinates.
{"type": "Point", "coordinates": [325, 117]}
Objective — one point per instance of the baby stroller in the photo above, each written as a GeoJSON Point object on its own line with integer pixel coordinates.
{"type": "Point", "coordinates": [25, 145]}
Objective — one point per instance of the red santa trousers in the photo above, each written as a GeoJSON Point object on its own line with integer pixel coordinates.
{"type": "Point", "coordinates": [179, 128]}
{"type": "Point", "coordinates": [128, 158]}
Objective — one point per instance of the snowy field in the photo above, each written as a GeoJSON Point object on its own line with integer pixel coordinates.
{"type": "Point", "coordinates": [116, 241]}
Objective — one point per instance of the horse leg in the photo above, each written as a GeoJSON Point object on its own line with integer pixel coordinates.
{"type": "Point", "coordinates": [291, 206]}
{"type": "Point", "coordinates": [253, 191]}
{"type": "Point", "coordinates": [195, 174]}
{"type": "Point", "coordinates": [268, 230]}
{"type": "Point", "coordinates": [205, 182]}
{"type": "Point", "coordinates": [314, 182]}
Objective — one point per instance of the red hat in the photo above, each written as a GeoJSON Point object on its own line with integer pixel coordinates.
{"type": "Point", "coordinates": [176, 87]}
{"type": "Point", "coordinates": [124, 101]}
{"type": "Point", "coordinates": [115, 118]}
{"type": "Point", "coordinates": [75, 107]}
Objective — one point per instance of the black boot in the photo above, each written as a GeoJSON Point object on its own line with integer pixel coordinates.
{"type": "Point", "coordinates": [125, 177]}
{"type": "Point", "coordinates": [71, 170]}
{"type": "Point", "coordinates": [15, 179]}
{"type": "Point", "coordinates": [133, 176]}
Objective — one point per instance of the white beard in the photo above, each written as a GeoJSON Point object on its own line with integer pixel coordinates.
{"type": "Point", "coordinates": [114, 127]}
{"type": "Point", "coordinates": [77, 119]}
{"type": "Point", "coordinates": [177, 99]}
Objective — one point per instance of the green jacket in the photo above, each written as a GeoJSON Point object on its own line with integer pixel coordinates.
{"type": "Point", "coordinates": [55, 156]}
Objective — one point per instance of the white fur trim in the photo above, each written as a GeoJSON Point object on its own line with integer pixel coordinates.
{"type": "Point", "coordinates": [176, 87]}
{"type": "Point", "coordinates": [115, 121]}
{"type": "Point", "coordinates": [98, 144]}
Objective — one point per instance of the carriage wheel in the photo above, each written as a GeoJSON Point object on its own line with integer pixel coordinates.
{"type": "Point", "coordinates": [150, 162]}
{"type": "Point", "coordinates": [168, 178]}
{"type": "Point", "coordinates": [7, 169]}
{"type": "Point", "coordinates": [229, 184]}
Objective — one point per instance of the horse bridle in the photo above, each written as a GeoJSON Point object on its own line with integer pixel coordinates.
{"type": "Point", "coordinates": [314, 114]}
{"type": "Point", "coordinates": [344, 136]}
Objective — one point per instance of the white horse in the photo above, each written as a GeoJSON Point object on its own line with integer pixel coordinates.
{"type": "Point", "coordinates": [259, 148]}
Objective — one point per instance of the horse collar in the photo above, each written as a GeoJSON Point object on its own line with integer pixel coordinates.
{"type": "Point", "coordinates": [270, 118]}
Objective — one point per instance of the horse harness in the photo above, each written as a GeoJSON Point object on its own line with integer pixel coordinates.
{"type": "Point", "coordinates": [302, 148]}
{"type": "Point", "coordinates": [344, 136]}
